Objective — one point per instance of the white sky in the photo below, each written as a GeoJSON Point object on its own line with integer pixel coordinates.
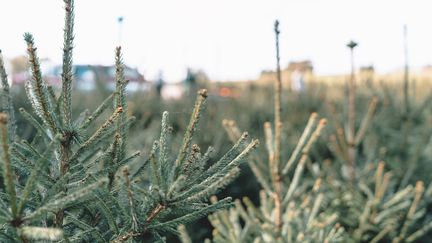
{"type": "Point", "coordinates": [228, 39]}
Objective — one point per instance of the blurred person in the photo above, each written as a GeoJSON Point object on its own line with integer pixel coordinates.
{"type": "Point", "coordinates": [159, 84]}
{"type": "Point", "coordinates": [297, 81]}
{"type": "Point", "coordinates": [190, 82]}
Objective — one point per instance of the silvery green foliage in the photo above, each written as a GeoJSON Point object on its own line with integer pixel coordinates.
{"type": "Point", "coordinates": [289, 210]}
{"type": "Point", "coordinates": [72, 182]}
{"type": "Point", "coordinates": [175, 189]}
{"type": "Point", "coordinates": [377, 210]}
{"type": "Point", "coordinates": [302, 216]}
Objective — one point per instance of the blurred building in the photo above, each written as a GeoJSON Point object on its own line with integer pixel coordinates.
{"type": "Point", "coordinates": [366, 75]}
{"type": "Point", "coordinates": [295, 76]}
{"type": "Point", "coordinates": [91, 77]}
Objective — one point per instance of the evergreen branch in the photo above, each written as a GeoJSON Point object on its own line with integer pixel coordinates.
{"type": "Point", "coordinates": [184, 236]}
{"type": "Point", "coordinates": [216, 186]}
{"type": "Point", "coordinates": [194, 164]}
{"type": "Point", "coordinates": [125, 237]}
{"type": "Point", "coordinates": [37, 90]}
{"type": "Point", "coordinates": [419, 233]}
{"type": "Point", "coordinates": [67, 74]}
{"type": "Point", "coordinates": [81, 118]}
{"type": "Point", "coordinates": [412, 163]}
{"type": "Point", "coordinates": [32, 120]}
{"type": "Point", "coordinates": [322, 123]}
{"type": "Point", "coordinates": [121, 99]}
{"type": "Point", "coordinates": [163, 163]}
{"type": "Point", "coordinates": [111, 157]}
{"type": "Point", "coordinates": [278, 107]}
{"type": "Point", "coordinates": [31, 183]}
{"type": "Point", "coordinates": [232, 129]}
{"type": "Point", "coordinates": [275, 161]}
{"type": "Point", "coordinates": [7, 167]}
{"type": "Point", "coordinates": [24, 163]}
{"type": "Point", "coordinates": [419, 189]}
{"type": "Point", "coordinates": [28, 148]}
{"type": "Point", "coordinates": [242, 211]}
{"type": "Point", "coordinates": [98, 134]}
{"type": "Point", "coordinates": [398, 197]}
{"type": "Point", "coordinates": [274, 175]}
{"type": "Point", "coordinates": [172, 224]}
{"type": "Point", "coordinates": [295, 180]}
{"type": "Point", "coordinates": [302, 141]}
{"type": "Point", "coordinates": [227, 158]}
{"type": "Point", "coordinates": [237, 160]}
{"type": "Point", "coordinates": [7, 237]}
{"type": "Point", "coordinates": [8, 107]}
{"type": "Point", "coordinates": [255, 164]}
{"type": "Point", "coordinates": [102, 205]}
{"type": "Point", "coordinates": [106, 135]}
{"type": "Point", "coordinates": [268, 134]}
{"type": "Point", "coordinates": [315, 209]}
{"type": "Point", "coordinates": [66, 95]}
{"type": "Point", "coordinates": [156, 172]}
{"type": "Point", "coordinates": [382, 234]}
{"type": "Point", "coordinates": [40, 233]}
{"type": "Point", "coordinates": [130, 198]}
{"type": "Point", "coordinates": [366, 121]}
{"type": "Point", "coordinates": [213, 174]}
{"type": "Point", "coordinates": [254, 211]}
{"type": "Point", "coordinates": [391, 211]}
{"type": "Point", "coordinates": [176, 186]}
{"type": "Point", "coordinates": [187, 139]}
{"type": "Point", "coordinates": [350, 124]}
{"type": "Point", "coordinates": [384, 186]}
{"type": "Point", "coordinates": [96, 113]}
{"type": "Point", "coordinates": [64, 201]}
{"type": "Point", "coordinates": [155, 212]}
{"type": "Point", "coordinates": [129, 159]}
{"type": "Point", "coordinates": [84, 226]}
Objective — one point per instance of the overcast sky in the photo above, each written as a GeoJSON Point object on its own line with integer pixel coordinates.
{"type": "Point", "coordinates": [228, 39]}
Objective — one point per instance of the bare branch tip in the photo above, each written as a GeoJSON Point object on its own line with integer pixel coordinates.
{"type": "Point", "coordinates": [28, 37]}
{"type": "Point", "coordinates": [3, 118]}
{"type": "Point", "coordinates": [203, 93]}
{"type": "Point", "coordinates": [323, 122]}
{"type": "Point", "coordinates": [245, 135]}
{"type": "Point", "coordinates": [276, 27]}
{"type": "Point", "coordinates": [419, 187]}
{"type": "Point", "coordinates": [126, 171]}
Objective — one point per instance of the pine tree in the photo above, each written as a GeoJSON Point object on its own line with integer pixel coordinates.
{"type": "Point", "coordinates": [72, 183]}
{"type": "Point", "coordinates": [374, 207]}
{"type": "Point", "coordinates": [290, 210]}
{"type": "Point", "coordinates": [379, 205]}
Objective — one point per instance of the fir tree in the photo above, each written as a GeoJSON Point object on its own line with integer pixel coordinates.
{"type": "Point", "coordinates": [72, 183]}
{"type": "Point", "coordinates": [290, 210]}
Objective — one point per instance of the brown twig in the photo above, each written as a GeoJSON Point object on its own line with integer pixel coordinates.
{"type": "Point", "coordinates": [276, 177]}
{"type": "Point", "coordinates": [352, 149]}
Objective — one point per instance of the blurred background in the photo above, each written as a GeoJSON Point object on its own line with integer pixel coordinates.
{"type": "Point", "coordinates": [225, 40]}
